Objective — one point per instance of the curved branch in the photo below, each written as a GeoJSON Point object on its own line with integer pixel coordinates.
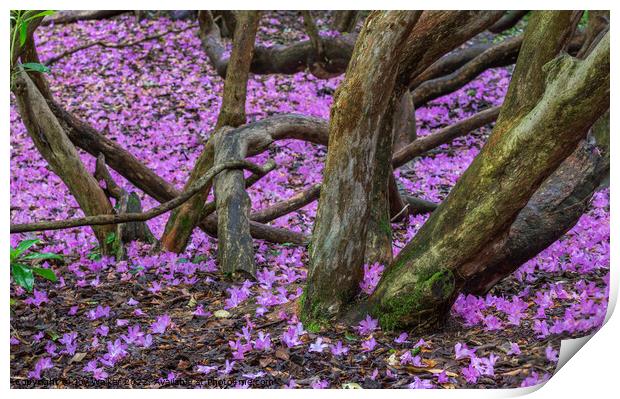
{"type": "Point", "coordinates": [502, 54]}
{"type": "Point", "coordinates": [101, 43]}
{"type": "Point", "coordinates": [292, 204]}
{"type": "Point", "coordinates": [444, 136]}
{"type": "Point", "coordinates": [449, 63]}
{"type": "Point", "coordinates": [107, 219]}
{"type": "Point", "coordinates": [67, 17]}
{"type": "Point", "coordinates": [285, 59]}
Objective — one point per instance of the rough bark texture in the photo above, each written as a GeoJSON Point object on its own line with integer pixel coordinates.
{"type": "Point", "coordinates": [232, 112]}
{"type": "Point", "coordinates": [440, 32]}
{"type": "Point", "coordinates": [598, 22]}
{"type": "Point", "coordinates": [54, 145]}
{"type": "Point", "coordinates": [553, 210]}
{"type": "Point", "coordinates": [559, 203]}
{"type": "Point", "coordinates": [404, 128]}
{"type": "Point", "coordinates": [358, 119]}
{"type": "Point", "coordinates": [551, 104]}
{"type": "Point", "coordinates": [235, 248]}
{"type": "Point", "coordinates": [388, 54]}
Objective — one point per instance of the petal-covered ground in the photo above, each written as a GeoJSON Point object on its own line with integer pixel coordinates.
{"type": "Point", "coordinates": [160, 319]}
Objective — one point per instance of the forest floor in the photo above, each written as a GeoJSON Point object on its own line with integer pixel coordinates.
{"type": "Point", "coordinates": [166, 320]}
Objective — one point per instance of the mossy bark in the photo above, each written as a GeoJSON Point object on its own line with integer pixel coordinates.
{"type": "Point", "coordinates": [551, 104]}
{"type": "Point", "coordinates": [392, 48]}
{"type": "Point", "coordinates": [552, 211]}
{"type": "Point", "coordinates": [358, 138]}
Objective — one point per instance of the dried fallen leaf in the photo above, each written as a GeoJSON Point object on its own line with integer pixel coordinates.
{"type": "Point", "coordinates": [439, 371]}
{"type": "Point", "coordinates": [183, 365]}
{"type": "Point", "coordinates": [282, 353]}
{"type": "Point", "coordinates": [78, 357]}
{"type": "Point", "coordinates": [221, 314]}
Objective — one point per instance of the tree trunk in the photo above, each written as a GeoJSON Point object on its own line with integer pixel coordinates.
{"type": "Point", "coordinates": [344, 20]}
{"type": "Point", "coordinates": [404, 122]}
{"type": "Point", "coordinates": [54, 145]}
{"type": "Point", "coordinates": [184, 219]}
{"type": "Point", "coordinates": [553, 210]}
{"type": "Point", "coordinates": [550, 106]}
{"type": "Point", "coordinates": [387, 54]}
{"type": "Point", "coordinates": [359, 135]}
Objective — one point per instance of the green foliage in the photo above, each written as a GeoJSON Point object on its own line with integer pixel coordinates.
{"type": "Point", "coordinates": [36, 67]}
{"type": "Point", "coordinates": [23, 273]}
{"type": "Point", "coordinates": [313, 327]}
{"type": "Point", "coordinates": [20, 19]}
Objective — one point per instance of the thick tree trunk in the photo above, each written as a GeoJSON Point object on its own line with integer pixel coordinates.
{"type": "Point", "coordinates": [553, 210]}
{"type": "Point", "coordinates": [54, 145]}
{"type": "Point", "coordinates": [561, 200]}
{"type": "Point", "coordinates": [551, 104]}
{"type": "Point", "coordinates": [359, 135]}
{"type": "Point", "coordinates": [388, 53]}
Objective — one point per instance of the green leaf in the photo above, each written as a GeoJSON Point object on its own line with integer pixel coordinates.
{"type": "Point", "coordinates": [45, 273]}
{"type": "Point", "coordinates": [110, 238]}
{"type": "Point", "coordinates": [23, 276]}
{"type": "Point", "coordinates": [350, 337]}
{"type": "Point", "coordinates": [35, 66]}
{"type": "Point", "coordinates": [41, 14]}
{"type": "Point", "coordinates": [24, 245]}
{"type": "Point", "coordinates": [42, 256]}
{"type": "Point", "coordinates": [23, 32]}
{"type": "Point", "coordinates": [95, 255]}
{"type": "Point", "coordinates": [14, 254]}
